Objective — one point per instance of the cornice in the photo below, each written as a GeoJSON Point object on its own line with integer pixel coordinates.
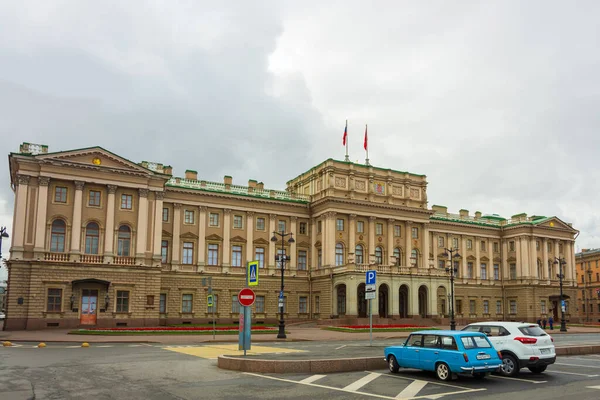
{"type": "Point", "coordinates": [384, 206]}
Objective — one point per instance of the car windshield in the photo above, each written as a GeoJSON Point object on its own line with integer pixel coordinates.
{"type": "Point", "coordinates": [475, 342]}
{"type": "Point", "coordinates": [532, 330]}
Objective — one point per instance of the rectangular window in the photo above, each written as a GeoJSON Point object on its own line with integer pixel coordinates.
{"type": "Point", "coordinates": [238, 222]}
{"type": "Point", "coordinates": [164, 251]}
{"type": "Point", "coordinates": [511, 246]}
{"type": "Point", "coordinates": [302, 260]}
{"type": "Point", "coordinates": [496, 272]}
{"type": "Point", "coordinates": [188, 253]}
{"type": "Point", "coordinates": [187, 301]}
{"type": "Point", "coordinates": [415, 233]}
{"type": "Point", "coordinates": [319, 258]}
{"type": "Point", "coordinates": [122, 301]}
{"type": "Point", "coordinates": [302, 228]}
{"type": "Point", "coordinates": [441, 264]}
{"type": "Point", "coordinates": [213, 219]}
{"type": "Point", "coordinates": [483, 271]}
{"type": "Point", "coordinates": [483, 245]}
{"type": "Point", "coordinates": [259, 255]}
{"type": "Point", "coordinates": [54, 300]}
{"type": "Point", "coordinates": [513, 271]}
{"type": "Point", "coordinates": [513, 306]}
{"type": "Point", "coordinates": [472, 308]}
{"type": "Point", "coordinates": [470, 270]}
{"type": "Point", "coordinates": [94, 199]}
{"type": "Point", "coordinates": [235, 304]}
{"type": "Point", "coordinates": [302, 305]}
{"type": "Point", "coordinates": [459, 306]}
{"type": "Point", "coordinates": [318, 304]}
{"type": "Point", "coordinates": [281, 226]}
{"type": "Point", "coordinates": [162, 303]}
{"type": "Point", "coordinates": [214, 308]}
{"type": "Point", "coordinates": [378, 229]}
{"type": "Point", "coordinates": [360, 227]}
{"type": "Point", "coordinates": [213, 254]}
{"type": "Point", "coordinates": [456, 269]}
{"type": "Point", "coordinates": [60, 194]}
{"type": "Point", "coordinates": [498, 306]}
{"type": "Point", "coordinates": [165, 217]}
{"type": "Point", "coordinates": [150, 300]}
{"type": "Point", "coordinates": [543, 307]}
{"type": "Point", "coordinates": [339, 224]}
{"type": "Point", "coordinates": [469, 244]}
{"type": "Point", "coordinates": [486, 306]}
{"type": "Point", "coordinates": [496, 247]}
{"type": "Point", "coordinates": [440, 241]}
{"type": "Point", "coordinates": [188, 217]}
{"type": "Point", "coordinates": [397, 230]}
{"type": "Point", "coordinates": [126, 202]}
{"type": "Point", "coordinates": [260, 224]}
{"type": "Point", "coordinates": [455, 243]}
{"type": "Point", "coordinates": [260, 304]}
{"type": "Point", "coordinates": [319, 226]}
{"type": "Point", "coordinates": [236, 256]}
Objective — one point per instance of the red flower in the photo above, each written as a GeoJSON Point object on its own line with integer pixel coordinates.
{"type": "Point", "coordinates": [397, 326]}
{"type": "Point", "coordinates": [180, 328]}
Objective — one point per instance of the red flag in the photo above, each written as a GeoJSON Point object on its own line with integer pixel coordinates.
{"type": "Point", "coordinates": [366, 138]}
{"type": "Point", "coordinates": [345, 134]}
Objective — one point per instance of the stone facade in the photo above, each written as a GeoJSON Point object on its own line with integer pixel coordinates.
{"type": "Point", "coordinates": [100, 240]}
{"type": "Point", "coordinates": [588, 280]}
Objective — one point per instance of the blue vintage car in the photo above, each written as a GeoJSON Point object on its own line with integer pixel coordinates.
{"type": "Point", "coordinates": [446, 352]}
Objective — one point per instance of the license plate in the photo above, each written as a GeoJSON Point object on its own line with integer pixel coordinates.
{"type": "Point", "coordinates": [484, 357]}
{"type": "Point", "coordinates": [545, 351]}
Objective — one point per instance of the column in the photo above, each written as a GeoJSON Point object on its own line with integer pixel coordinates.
{"type": "Point", "coordinates": [272, 218]}
{"type": "Point", "coordinates": [518, 257]}
{"type": "Point", "coordinates": [407, 245]}
{"type": "Point", "coordinates": [413, 302]}
{"type": "Point", "coordinates": [42, 208]}
{"type": "Point", "coordinates": [371, 239]}
{"type": "Point", "coordinates": [545, 260]}
{"type": "Point", "coordinates": [76, 227]}
{"type": "Point", "coordinates": [505, 273]}
{"type": "Point", "coordinates": [202, 236]}
{"type": "Point", "coordinates": [18, 234]}
{"type": "Point", "coordinates": [313, 250]}
{"type": "Point", "coordinates": [425, 248]}
{"type": "Point", "coordinates": [390, 245]}
{"type": "Point", "coordinates": [142, 224]}
{"type": "Point", "coordinates": [226, 239]}
{"type": "Point", "coordinates": [330, 249]}
{"type": "Point", "coordinates": [490, 267]}
{"type": "Point", "coordinates": [109, 233]}
{"type": "Point", "coordinates": [463, 259]}
{"type": "Point", "coordinates": [352, 236]}
{"type": "Point", "coordinates": [435, 249]}
{"type": "Point", "coordinates": [533, 265]}
{"type": "Point", "coordinates": [158, 206]}
{"type": "Point", "coordinates": [569, 260]}
{"type": "Point", "coordinates": [249, 236]}
{"type": "Point", "coordinates": [351, 298]}
{"type": "Point", "coordinates": [524, 258]}
{"type": "Point", "coordinates": [324, 231]}
{"type": "Point", "coordinates": [573, 261]}
{"type": "Point", "coordinates": [176, 253]}
{"type": "Point", "coordinates": [293, 256]}
{"type": "Point", "coordinates": [477, 265]}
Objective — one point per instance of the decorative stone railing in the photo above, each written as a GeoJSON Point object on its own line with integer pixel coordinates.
{"type": "Point", "coordinates": [57, 257]}
{"type": "Point", "coordinates": [124, 260]}
{"type": "Point", "coordinates": [91, 259]}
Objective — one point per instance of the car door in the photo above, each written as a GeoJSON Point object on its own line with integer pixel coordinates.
{"type": "Point", "coordinates": [411, 353]}
{"type": "Point", "coordinates": [430, 352]}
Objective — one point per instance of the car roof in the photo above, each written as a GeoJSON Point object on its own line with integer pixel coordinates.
{"type": "Point", "coordinates": [503, 323]}
{"type": "Point", "coordinates": [446, 332]}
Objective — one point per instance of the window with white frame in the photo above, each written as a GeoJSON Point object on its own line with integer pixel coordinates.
{"type": "Point", "coordinates": [60, 194]}
{"type": "Point", "coordinates": [469, 244]}
{"type": "Point", "coordinates": [164, 251]}
{"type": "Point", "coordinates": [397, 230]}
{"type": "Point", "coordinates": [126, 202]}
{"type": "Point", "coordinates": [302, 257]}
{"type": "Point", "coordinates": [281, 226]}
{"type": "Point", "coordinates": [397, 256]}
{"type": "Point", "coordinates": [259, 304]}
{"type": "Point", "coordinates": [339, 224]}
{"type": "Point", "coordinates": [455, 243]}
{"type": "Point", "coordinates": [415, 232]}
{"type": "Point", "coordinates": [94, 198]}
{"type": "Point", "coordinates": [496, 272]}
{"type": "Point", "coordinates": [165, 214]}
{"type": "Point", "coordinates": [213, 254]}
{"type": "Point", "coordinates": [236, 256]}
{"type": "Point", "coordinates": [238, 222]}
{"type": "Point", "coordinates": [235, 304]}
{"type": "Point", "coordinates": [513, 306]}
{"type": "Point", "coordinates": [379, 229]}
{"type": "Point", "coordinates": [188, 216]}
{"type": "Point", "coordinates": [303, 228]}
{"type": "Point", "coordinates": [302, 305]}
{"type": "Point", "coordinates": [360, 227]}
{"type": "Point", "coordinates": [378, 255]}
{"type": "Point", "coordinates": [188, 253]}
{"type": "Point", "coordinates": [486, 306]}
{"type": "Point", "coordinates": [260, 224]}
{"type": "Point", "coordinates": [213, 219]}
{"type": "Point", "coordinates": [483, 271]}
{"type": "Point", "coordinates": [543, 307]}
{"type": "Point", "coordinates": [358, 254]}
{"type": "Point", "coordinates": [472, 307]}
{"type": "Point", "coordinates": [162, 303]}
{"type": "Point", "coordinates": [496, 247]}
{"type": "Point", "coordinates": [259, 255]}
{"type": "Point", "coordinates": [187, 301]}
{"type": "Point", "coordinates": [339, 254]}
{"type": "Point", "coordinates": [498, 306]}
{"type": "Point", "coordinates": [470, 270]}
{"type": "Point", "coordinates": [440, 241]}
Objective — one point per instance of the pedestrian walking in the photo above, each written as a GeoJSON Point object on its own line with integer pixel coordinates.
{"type": "Point", "coordinates": [551, 323]}
{"type": "Point", "coordinates": [544, 323]}
{"type": "Point", "coordinates": [539, 322]}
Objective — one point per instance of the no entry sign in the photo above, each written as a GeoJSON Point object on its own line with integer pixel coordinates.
{"type": "Point", "coordinates": [246, 297]}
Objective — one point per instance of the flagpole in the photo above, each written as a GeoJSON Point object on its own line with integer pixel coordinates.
{"type": "Point", "coordinates": [366, 145]}
{"type": "Point", "coordinates": [347, 159]}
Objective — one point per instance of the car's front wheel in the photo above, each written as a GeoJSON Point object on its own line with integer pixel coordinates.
{"type": "Point", "coordinates": [538, 370]}
{"type": "Point", "coordinates": [393, 364]}
{"type": "Point", "coordinates": [510, 366]}
{"type": "Point", "coordinates": [443, 372]}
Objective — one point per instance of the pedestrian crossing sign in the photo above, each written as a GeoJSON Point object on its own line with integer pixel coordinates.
{"type": "Point", "coordinates": [252, 273]}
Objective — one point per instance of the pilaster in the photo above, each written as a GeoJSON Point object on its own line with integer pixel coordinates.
{"type": "Point", "coordinates": [226, 239]}
{"type": "Point", "coordinates": [42, 208]}
{"type": "Point", "coordinates": [390, 242]}
{"type": "Point", "coordinates": [142, 225]}
{"type": "Point", "coordinates": [202, 210]}
{"type": "Point", "coordinates": [249, 236]}
{"type": "Point", "coordinates": [156, 246]}
{"type": "Point", "coordinates": [109, 233]}
{"type": "Point", "coordinates": [76, 226]}
{"type": "Point", "coordinates": [292, 264]}
{"type": "Point", "coordinates": [18, 234]}
{"type": "Point", "coordinates": [176, 253]}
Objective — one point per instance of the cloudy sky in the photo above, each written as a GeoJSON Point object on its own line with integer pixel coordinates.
{"type": "Point", "coordinates": [496, 102]}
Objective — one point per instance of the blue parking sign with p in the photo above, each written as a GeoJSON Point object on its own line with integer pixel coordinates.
{"type": "Point", "coordinates": [252, 273]}
{"type": "Point", "coordinates": [371, 277]}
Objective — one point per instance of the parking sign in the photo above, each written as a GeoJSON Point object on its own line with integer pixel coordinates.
{"type": "Point", "coordinates": [371, 277]}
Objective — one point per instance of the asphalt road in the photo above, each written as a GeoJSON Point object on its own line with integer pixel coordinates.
{"type": "Point", "coordinates": [150, 371]}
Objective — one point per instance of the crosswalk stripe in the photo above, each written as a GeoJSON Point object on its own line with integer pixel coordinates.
{"type": "Point", "coordinates": [354, 386]}
{"type": "Point", "coordinates": [412, 389]}
{"type": "Point", "coordinates": [312, 378]}
{"type": "Point", "coordinates": [593, 387]}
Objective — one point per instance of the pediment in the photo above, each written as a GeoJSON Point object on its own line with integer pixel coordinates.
{"type": "Point", "coordinates": [214, 236]}
{"type": "Point", "coordinates": [303, 244]}
{"type": "Point", "coordinates": [511, 260]}
{"type": "Point", "coordinates": [96, 157]}
{"type": "Point", "coordinates": [484, 258]}
{"type": "Point", "coordinates": [188, 235]}
{"type": "Point", "coordinates": [471, 258]}
{"type": "Point", "coordinates": [166, 234]}
{"type": "Point", "coordinates": [238, 239]}
{"type": "Point", "coordinates": [554, 223]}
{"type": "Point", "coordinates": [260, 241]}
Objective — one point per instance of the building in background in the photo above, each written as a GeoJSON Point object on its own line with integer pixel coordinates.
{"type": "Point", "coordinates": [588, 280]}
{"type": "Point", "coordinates": [99, 240]}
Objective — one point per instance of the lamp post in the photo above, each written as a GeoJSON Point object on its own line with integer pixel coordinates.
{"type": "Point", "coordinates": [3, 234]}
{"type": "Point", "coordinates": [282, 258]}
{"type": "Point", "coordinates": [452, 253]}
{"type": "Point", "coordinates": [561, 262]}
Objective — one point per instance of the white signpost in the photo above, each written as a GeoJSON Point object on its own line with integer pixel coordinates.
{"type": "Point", "coordinates": [370, 294]}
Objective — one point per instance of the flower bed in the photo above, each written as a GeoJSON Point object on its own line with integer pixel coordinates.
{"type": "Point", "coordinates": [378, 328]}
{"type": "Point", "coordinates": [172, 330]}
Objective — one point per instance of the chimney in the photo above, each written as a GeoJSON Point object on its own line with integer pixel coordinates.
{"type": "Point", "coordinates": [477, 214]}
{"type": "Point", "coordinates": [260, 186]}
{"type": "Point", "coordinates": [440, 209]}
{"type": "Point", "coordinates": [251, 185]}
{"type": "Point", "coordinates": [464, 213]}
{"type": "Point", "coordinates": [168, 170]}
{"type": "Point", "coordinates": [227, 180]}
{"type": "Point", "coordinates": [191, 174]}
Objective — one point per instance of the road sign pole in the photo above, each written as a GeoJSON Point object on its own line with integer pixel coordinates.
{"type": "Point", "coordinates": [213, 313]}
{"type": "Point", "coordinates": [370, 324]}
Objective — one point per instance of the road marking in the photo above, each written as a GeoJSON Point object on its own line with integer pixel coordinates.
{"type": "Point", "coordinates": [516, 379]}
{"type": "Point", "coordinates": [72, 347]}
{"type": "Point", "coordinates": [313, 378]}
{"type": "Point", "coordinates": [593, 387]}
{"type": "Point", "coordinates": [412, 389]}
{"type": "Point", "coordinates": [341, 347]}
{"type": "Point", "coordinates": [214, 351]}
{"type": "Point", "coordinates": [573, 373]}
{"type": "Point", "coordinates": [353, 387]}
{"type": "Point", "coordinates": [577, 365]}
{"type": "Point", "coordinates": [134, 345]}
{"type": "Point", "coordinates": [146, 344]}
{"type": "Point", "coordinates": [106, 345]}
{"type": "Point", "coordinates": [439, 383]}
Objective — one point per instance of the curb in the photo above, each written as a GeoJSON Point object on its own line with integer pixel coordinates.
{"type": "Point", "coordinates": [577, 350]}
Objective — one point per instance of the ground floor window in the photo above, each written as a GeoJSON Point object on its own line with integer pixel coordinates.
{"type": "Point", "coordinates": [54, 300]}
{"type": "Point", "coordinates": [513, 306]}
{"type": "Point", "coordinates": [260, 304]}
{"type": "Point", "coordinates": [498, 307]}
{"type": "Point", "coordinates": [162, 305]}
{"type": "Point", "coordinates": [302, 305]}
{"type": "Point", "coordinates": [318, 304]}
{"type": "Point", "coordinates": [472, 308]}
{"type": "Point", "coordinates": [186, 303]}
{"type": "Point", "coordinates": [235, 304]}
{"type": "Point", "coordinates": [122, 301]}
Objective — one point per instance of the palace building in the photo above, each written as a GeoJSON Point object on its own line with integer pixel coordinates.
{"type": "Point", "coordinates": [102, 241]}
{"type": "Point", "coordinates": [588, 279]}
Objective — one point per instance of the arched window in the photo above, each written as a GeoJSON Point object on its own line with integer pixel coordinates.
{"type": "Point", "coordinates": [358, 254]}
{"type": "Point", "coordinates": [124, 243]}
{"type": "Point", "coordinates": [339, 254]}
{"type": "Point", "coordinates": [398, 255]}
{"type": "Point", "coordinates": [92, 235]}
{"type": "Point", "coordinates": [57, 236]}
{"type": "Point", "coordinates": [414, 255]}
{"type": "Point", "coordinates": [378, 255]}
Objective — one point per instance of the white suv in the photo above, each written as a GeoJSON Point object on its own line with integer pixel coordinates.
{"type": "Point", "coordinates": [521, 345]}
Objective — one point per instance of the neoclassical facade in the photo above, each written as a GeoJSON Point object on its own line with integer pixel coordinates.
{"type": "Point", "coordinates": [588, 280]}
{"type": "Point", "coordinates": [99, 240]}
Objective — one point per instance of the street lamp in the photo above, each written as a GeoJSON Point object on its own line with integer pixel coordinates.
{"type": "Point", "coordinates": [452, 253]}
{"type": "Point", "coordinates": [560, 276]}
{"type": "Point", "coordinates": [3, 234]}
{"type": "Point", "coordinates": [282, 258]}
